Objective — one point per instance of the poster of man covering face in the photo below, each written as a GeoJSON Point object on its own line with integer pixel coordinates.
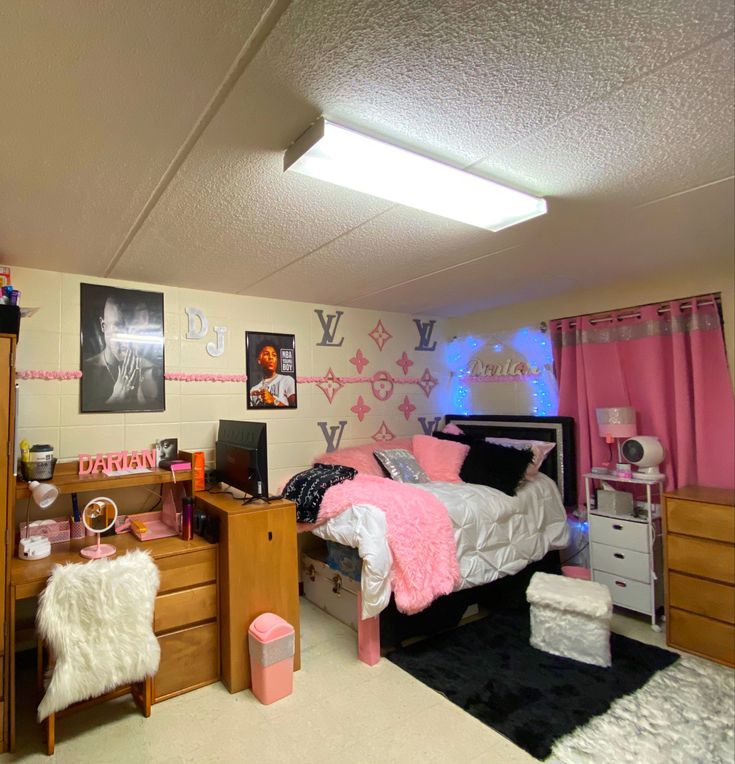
{"type": "Point", "coordinates": [271, 370]}
{"type": "Point", "coordinates": [122, 350]}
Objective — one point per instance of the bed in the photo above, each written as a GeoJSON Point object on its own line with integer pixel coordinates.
{"type": "Point", "coordinates": [496, 536]}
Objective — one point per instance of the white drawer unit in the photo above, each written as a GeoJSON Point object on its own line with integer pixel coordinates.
{"type": "Point", "coordinates": [625, 592]}
{"type": "Point", "coordinates": [625, 551]}
{"type": "Point", "coordinates": [619, 532]}
{"type": "Point", "coordinates": [622, 562]}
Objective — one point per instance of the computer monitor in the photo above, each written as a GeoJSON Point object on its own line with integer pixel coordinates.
{"type": "Point", "coordinates": [241, 456]}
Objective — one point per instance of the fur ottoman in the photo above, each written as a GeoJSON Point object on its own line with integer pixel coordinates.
{"type": "Point", "coordinates": [570, 617]}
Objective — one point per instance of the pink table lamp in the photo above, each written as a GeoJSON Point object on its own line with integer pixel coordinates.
{"type": "Point", "coordinates": [615, 424]}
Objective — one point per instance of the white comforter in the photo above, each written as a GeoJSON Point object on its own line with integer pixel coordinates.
{"type": "Point", "coordinates": [496, 535]}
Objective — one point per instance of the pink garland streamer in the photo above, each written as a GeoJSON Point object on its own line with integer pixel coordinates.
{"type": "Point", "coordinates": [41, 374]}
{"type": "Point", "coordinates": [178, 376]}
{"type": "Point", "coordinates": [183, 377]}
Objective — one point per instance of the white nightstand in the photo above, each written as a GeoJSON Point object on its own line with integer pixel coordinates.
{"type": "Point", "coordinates": [625, 550]}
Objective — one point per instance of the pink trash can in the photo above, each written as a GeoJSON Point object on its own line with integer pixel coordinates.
{"type": "Point", "coordinates": [272, 644]}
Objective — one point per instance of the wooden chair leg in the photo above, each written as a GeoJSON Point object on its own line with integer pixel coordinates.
{"type": "Point", "coordinates": [143, 695]}
{"type": "Point", "coordinates": [39, 667]}
{"type": "Point", "coordinates": [49, 727]}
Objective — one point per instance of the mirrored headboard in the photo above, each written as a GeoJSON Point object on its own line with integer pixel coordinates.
{"type": "Point", "coordinates": [560, 465]}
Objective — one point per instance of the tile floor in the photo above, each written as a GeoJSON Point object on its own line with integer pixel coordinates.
{"type": "Point", "coordinates": [340, 711]}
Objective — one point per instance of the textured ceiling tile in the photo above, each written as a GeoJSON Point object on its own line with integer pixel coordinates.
{"type": "Point", "coordinates": [97, 97]}
{"type": "Point", "coordinates": [656, 237]}
{"type": "Point", "coordinates": [601, 101]}
{"type": "Point", "coordinates": [664, 133]}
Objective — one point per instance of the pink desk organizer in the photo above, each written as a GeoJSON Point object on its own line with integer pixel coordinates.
{"type": "Point", "coordinates": [164, 523]}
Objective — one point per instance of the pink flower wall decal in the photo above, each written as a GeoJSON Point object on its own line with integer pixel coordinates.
{"type": "Point", "coordinates": [360, 408]}
{"type": "Point", "coordinates": [404, 362]}
{"type": "Point", "coordinates": [359, 361]}
{"type": "Point", "coordinates": [331, 385]}
{"type": "Point", "coordinates": [383, 433]}
{"type": "Point", "coordinates": [406, 408]}
{"type": "Point", "coordinates": [380, 335]}
{"type": "Point", "coordinates": [427, 382]}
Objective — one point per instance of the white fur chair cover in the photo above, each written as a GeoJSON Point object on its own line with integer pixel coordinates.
{"type": "Point", "coordinates": [97, 619]}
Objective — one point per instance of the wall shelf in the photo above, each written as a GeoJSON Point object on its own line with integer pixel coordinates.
{"type": "Point", "coordinates": [67, 479]}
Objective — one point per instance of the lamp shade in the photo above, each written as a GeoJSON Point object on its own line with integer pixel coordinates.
{"type": "Point", "coordinates": [44, 494]}
{"type": "Point", "coordinates": [616, 422]}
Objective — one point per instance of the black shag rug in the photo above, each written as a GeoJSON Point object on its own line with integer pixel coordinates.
{"type": "Point", "coordinates": [489, 669]}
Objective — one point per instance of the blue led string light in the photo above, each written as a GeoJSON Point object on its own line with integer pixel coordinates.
{"type": "Point", "coordinates": [458, 354]}
{"type": "Point", "coordinates": [535, 346]}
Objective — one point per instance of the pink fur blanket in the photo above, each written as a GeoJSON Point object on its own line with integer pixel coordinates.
{"type": "Point", "coordinates": [420, 536]}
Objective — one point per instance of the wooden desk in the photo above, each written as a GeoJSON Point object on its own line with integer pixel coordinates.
{"type": "Point", "coordinates": [259, 574]}
{"type": "Point", "coordinates": [186, 616]}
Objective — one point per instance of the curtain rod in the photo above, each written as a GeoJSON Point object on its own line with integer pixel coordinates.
{"type": "Point", "coordinates": [701, 301]}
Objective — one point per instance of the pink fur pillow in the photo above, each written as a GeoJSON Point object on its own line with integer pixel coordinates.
{"type": "Point", "coordinates": [361, 457]}
{"type": "Point", "coordinates": [539, 448]}
{"type": "Point", "coordinates": [440, 459]}
{"type": "Point", "coordinates": [452, 429]}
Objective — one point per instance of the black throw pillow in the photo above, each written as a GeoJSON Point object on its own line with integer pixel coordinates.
{"type": "Point", "coordinates": [466, 439]}
{"type": "Point", "coordinates": [496, 466]}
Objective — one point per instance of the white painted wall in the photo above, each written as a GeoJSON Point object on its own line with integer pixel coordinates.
{"type": "Point", "coordinates": [49, 340]}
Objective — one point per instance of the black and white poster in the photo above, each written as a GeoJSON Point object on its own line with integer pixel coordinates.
{"type": "Point", "coordinates": [271, 370]}
{"type": "Point", "coordinates": [122, 353]}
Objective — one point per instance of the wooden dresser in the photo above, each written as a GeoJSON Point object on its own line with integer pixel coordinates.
{"type": "Point", "coordinates": [699, 558]}
{"type": "Point", "coordinates": [258, 574]}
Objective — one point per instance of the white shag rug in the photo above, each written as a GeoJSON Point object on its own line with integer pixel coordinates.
{"type": "Point", "coordinates": [685, 714]}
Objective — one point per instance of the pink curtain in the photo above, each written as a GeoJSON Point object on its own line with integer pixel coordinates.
{"type": "Point", "coordinates": [671, 368]}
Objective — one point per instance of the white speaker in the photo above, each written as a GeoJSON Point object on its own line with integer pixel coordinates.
{"type": "Point", "coordinates": [646, 452]}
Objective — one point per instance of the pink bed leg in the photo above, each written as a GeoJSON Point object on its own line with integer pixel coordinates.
{"type": "Point", "coordinates": [368, 636]}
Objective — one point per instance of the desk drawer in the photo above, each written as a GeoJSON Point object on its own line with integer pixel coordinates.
{"type": "Point", "coordinates": [622, 562]}
{"type": "Point", "coordinates": [184, 570]}
{"type": "Point", "coordinates": [189, 659]}
{"type": "Point", "coordinates": [703, 597]}
{"type": "Point", "coordinates": [695, 518]}
{"type": "Point", "coordinates": [702, 636]}
{"type": "Point", "coordinates": [618, 532]}
{"type": "Point", "coordinates": [184, 607]}
{"type": "Point", "coordinates": [709, 559]}
{"type": "Point", "coordinates": [626, 592]}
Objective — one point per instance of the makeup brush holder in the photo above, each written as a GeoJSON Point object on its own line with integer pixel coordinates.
{"type": "Point", "coordinates": [37, 470]}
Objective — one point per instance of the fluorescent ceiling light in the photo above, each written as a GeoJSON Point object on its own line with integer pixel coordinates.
{"type": "Point", "coordinates": [347, 158]}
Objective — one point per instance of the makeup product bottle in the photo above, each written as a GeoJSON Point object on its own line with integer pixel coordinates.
{"type": "Point", "coordinates": [187, 518]}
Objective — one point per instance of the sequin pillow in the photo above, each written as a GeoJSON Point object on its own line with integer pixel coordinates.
{"type": "Point", "coordinates": [401, 466]}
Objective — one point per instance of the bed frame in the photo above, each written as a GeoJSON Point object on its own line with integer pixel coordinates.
{"type": "Point", "coordinates": [391, 627]}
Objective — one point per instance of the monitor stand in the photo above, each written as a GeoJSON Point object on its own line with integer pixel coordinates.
{"type": "Point", "coordinates": [265, 499]}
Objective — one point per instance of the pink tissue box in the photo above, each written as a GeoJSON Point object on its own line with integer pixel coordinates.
{"type": "Point", "coordinates": [55, 530]}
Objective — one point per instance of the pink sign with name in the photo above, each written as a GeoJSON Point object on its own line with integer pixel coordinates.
{"type": "Point", "coordinates": [117, 460]}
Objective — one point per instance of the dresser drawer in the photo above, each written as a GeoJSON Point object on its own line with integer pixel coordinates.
{"type": "Point", "coordinates": [703, 636]}
{"type": "Point", "coordinates": [698, 557]}
{"type": "Point", "coordinates": [184, 607]}
{"type": "Point", "coordinates": [184, 570]}
{"type": "Point", "coordinates": [703, 597]}
{"type": "Point", "coordinates": [625, 591]}
{"type": "Point", "coordinates": [613, 531]}
{"type": "Point", "coordinates": [189, 659]}
{"type": "Point", "coordinates": [622, 562]}
{"type": "Point", "coordinates": [694, 518]}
